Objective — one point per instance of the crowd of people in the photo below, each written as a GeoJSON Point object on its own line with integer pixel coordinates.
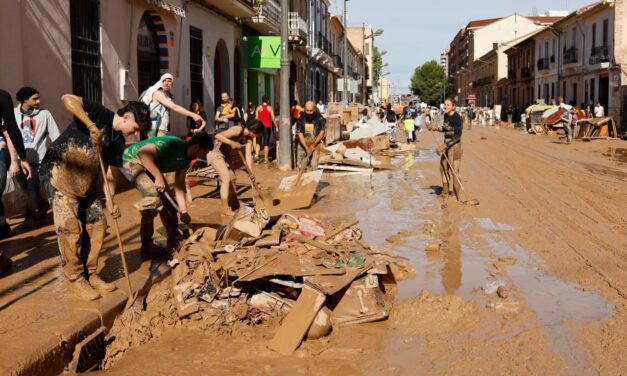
{"type": "Point", "coordinates": [76, 167]}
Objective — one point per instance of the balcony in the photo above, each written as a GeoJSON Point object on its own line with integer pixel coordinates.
{"type": "Point", "coordinates": [525, 73]}
{"type": "Point", "coordinates": [543, 64]}
{"type": "Point", "coordinates": [268, 18]}
{"type": "Point", "coordinates": [600, 55]}
{"type": "Point", "coordinates": [511, 74]}
{"type": "Point", "coordinates": [571, 55]}
{"type": "Point", "coordinates": [322, 43]}
{"type": "Point", "coordinates": [297, 27]}
{"type": "Point", "coordinates": [234, 8]}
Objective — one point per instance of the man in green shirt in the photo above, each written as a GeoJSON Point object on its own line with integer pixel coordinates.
{"type": "Point", "coordinates": [144, 164]}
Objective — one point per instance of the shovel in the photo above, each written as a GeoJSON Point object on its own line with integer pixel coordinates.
{"type": "Point", "coordinates": [472, 202]}
{"type": "Point", "coordinates": [253, 181]}
{"type": "Point", "coordinates": [296, 191]}
{"type": "Point", "coordinates": [131, 297]}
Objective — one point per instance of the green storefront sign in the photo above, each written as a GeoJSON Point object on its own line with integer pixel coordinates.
{"type": "Point", "coordinates": [264, 52]}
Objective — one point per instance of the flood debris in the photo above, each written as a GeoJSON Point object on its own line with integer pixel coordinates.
{"type": "Point", "coordinates": [299, 273]}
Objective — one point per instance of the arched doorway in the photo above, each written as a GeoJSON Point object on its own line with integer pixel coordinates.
{"type": "Point", "coordinates": [152, 50]}
{"type": "Point", "coordinates": [221, 71]}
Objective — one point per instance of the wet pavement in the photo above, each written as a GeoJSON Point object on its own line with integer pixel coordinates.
{"type": "Point", "coordinates": [400, 211]}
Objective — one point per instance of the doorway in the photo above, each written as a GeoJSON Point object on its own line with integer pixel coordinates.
{"type": "Point", "coordinates": [148, 54]}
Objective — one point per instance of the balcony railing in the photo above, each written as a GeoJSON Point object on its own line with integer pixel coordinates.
{"type": "Point", "coordinates": [511, 74]}
{"type": "Point", "coordinates": [571, 55]}
{"type": "Point", "coordinates": [525, 72]}
{"type": "Point", "coordinates": [322, 43]}
{"type": "Point", "coordinates": [297, 26]}
{"type": "Point", "coordinates": [269, 12]}
{"type": "Point", "coordinates": [543, 63]}
{"type": "Point", "coordinates": [600, 54]}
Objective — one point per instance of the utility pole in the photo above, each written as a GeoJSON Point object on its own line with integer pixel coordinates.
{"type": "Point", "coordinates": [363, 59]}
{"type": "Point", "coordinates": [345, 81]}
{"type": "Point", "coordinates": [285, 130]}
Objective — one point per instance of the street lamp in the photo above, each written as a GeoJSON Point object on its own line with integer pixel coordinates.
{"type": "Point", "coordinates": [363, 50]}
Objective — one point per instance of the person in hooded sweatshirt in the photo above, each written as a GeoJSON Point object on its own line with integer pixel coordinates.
{"type": "Point", "coordinates": [36, 125]}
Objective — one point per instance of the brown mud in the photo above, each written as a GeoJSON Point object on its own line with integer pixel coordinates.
{"type": "Point", "coordinates": [551, 228]}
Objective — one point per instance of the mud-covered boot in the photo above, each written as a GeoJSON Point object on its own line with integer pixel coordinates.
{"type": "Point", "coordinates": [97, 283]}
{"type": "Point", "coordinates": [445, 190]}
{"type": "Point", "coordinates": [83, 289]}
{"type": "Point", "coordinates": [5, 263]}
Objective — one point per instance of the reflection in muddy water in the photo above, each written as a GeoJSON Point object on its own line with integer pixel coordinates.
{"type": "Point", "coordinates": [616, 154]}
{"type": "Point", "coordinates": [452, 268]}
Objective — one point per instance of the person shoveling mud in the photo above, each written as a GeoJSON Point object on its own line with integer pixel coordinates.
{"type": "Point", "coordinates": [231, 138]}
{"type": "Point", "coordinates": [72, 175]}
{"type": "Point", "coordinates": [310, 131]}
{"type": "Point", "coordinates": [300, 274]}
{"type": "Point", "coordinates": [144, 164]}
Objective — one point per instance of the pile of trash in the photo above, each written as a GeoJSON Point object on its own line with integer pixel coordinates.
{"type": "Point", "coordinates": [300, 274]}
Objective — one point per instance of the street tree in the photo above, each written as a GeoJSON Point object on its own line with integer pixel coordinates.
{"type": "Point", "coordinates": [429, 82]}
{"type": "Point", "coordinates": [377, 62]}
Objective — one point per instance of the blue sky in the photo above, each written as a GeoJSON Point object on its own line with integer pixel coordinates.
{"type": "Point", "coordinates": [416, 31]}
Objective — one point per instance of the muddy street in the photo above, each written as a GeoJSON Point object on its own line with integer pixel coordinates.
{"type": "Point", "coordinates": [550, 231]}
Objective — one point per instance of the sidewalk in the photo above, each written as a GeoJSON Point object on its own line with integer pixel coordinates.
{"type": "Point", "coordinates": [40, 322]}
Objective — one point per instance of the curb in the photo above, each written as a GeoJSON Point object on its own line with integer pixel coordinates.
{"type": "Point", "coordinates": [52, 357]}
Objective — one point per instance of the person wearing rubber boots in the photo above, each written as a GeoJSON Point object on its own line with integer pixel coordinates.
{"type": "Point", "coordinates": [144, 165]}
{"type": "Point", "coordinates": [310, 130]}
{"type": "Point", "coordinates": [73, 178]}
{"type": "Point", "coordinates": [452, 148]}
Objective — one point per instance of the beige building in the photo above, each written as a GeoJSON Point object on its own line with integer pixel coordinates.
{"type": "Point", "coordinates": [479, 38]}
{"type": "Point", "coordinates": [362, 39]}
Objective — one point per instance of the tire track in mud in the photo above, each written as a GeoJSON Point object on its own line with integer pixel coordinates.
{"type": "Point", "coordinates": [549, 213]}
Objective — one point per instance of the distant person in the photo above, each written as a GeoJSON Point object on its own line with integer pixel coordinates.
{"type": "Point", "coordinates": [252, 151]}
{"type": "Point", "coordinates": [322, 108]}
{"type": "Point", "coordinates": [37, 126]}
{"type": "Point", "coordinates": [193, 126]}
{"type": "Point", "coordinates": [265, 114]}
{"type": "Point", "coordinates": [409, 114]}
{"type": "Point", "coordinates": [225, 113]}
{"type": "Point", "coordinates": [160, 101]}
{"type": "Point", "coordinates": [567, 118]}
{"type": "Point", "coordinates": [390, 119]}
{"type": "Point", "coordinates": [452, 148]}
{"type": "Point", "coordinates": [310, 130]}
{"type": "Point", "coordinates": [599, 111]}
{"type": "Point", "coordinates": [11, 150]}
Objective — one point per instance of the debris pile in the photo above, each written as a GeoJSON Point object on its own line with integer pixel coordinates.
{"type": "Point", "coordinates": [298, 273]}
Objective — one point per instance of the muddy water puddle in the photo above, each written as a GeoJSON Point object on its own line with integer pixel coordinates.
{"type": "Point", "coordinates": [397, 213]}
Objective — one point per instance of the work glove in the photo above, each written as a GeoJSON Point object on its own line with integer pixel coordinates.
{"type": "Point", "coordinates": [186, 218]}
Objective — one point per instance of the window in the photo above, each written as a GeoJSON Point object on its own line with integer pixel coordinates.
{"type": "Point", "coordinates": [605, 31]}
{"type": "Point", "coordinates": [574, 37]}
{"type": "Point", "coordinates": [195, 63]}
{"type": "Point", "coordinates": [594, 35]}
{"type": "Point", "coordinates": [564, 90]}
{"type": "Point", "coordinates": [552, 90]}
{"type": "Point", "coordinates": [592, 84]}
{"type": "Point", "coordinates": [574, 93]}
{"type": "Point", "coordinates": [85, 34]}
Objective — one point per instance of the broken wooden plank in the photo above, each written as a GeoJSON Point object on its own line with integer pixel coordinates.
{"type": "Point", "coordinates": [345, 168]}
{"type": "Point", "coordinates": [298, 320]}
{"type": "Point", "coordinates": [339, 229]}
{"type": "Point", "coordinates": [330, 284]}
